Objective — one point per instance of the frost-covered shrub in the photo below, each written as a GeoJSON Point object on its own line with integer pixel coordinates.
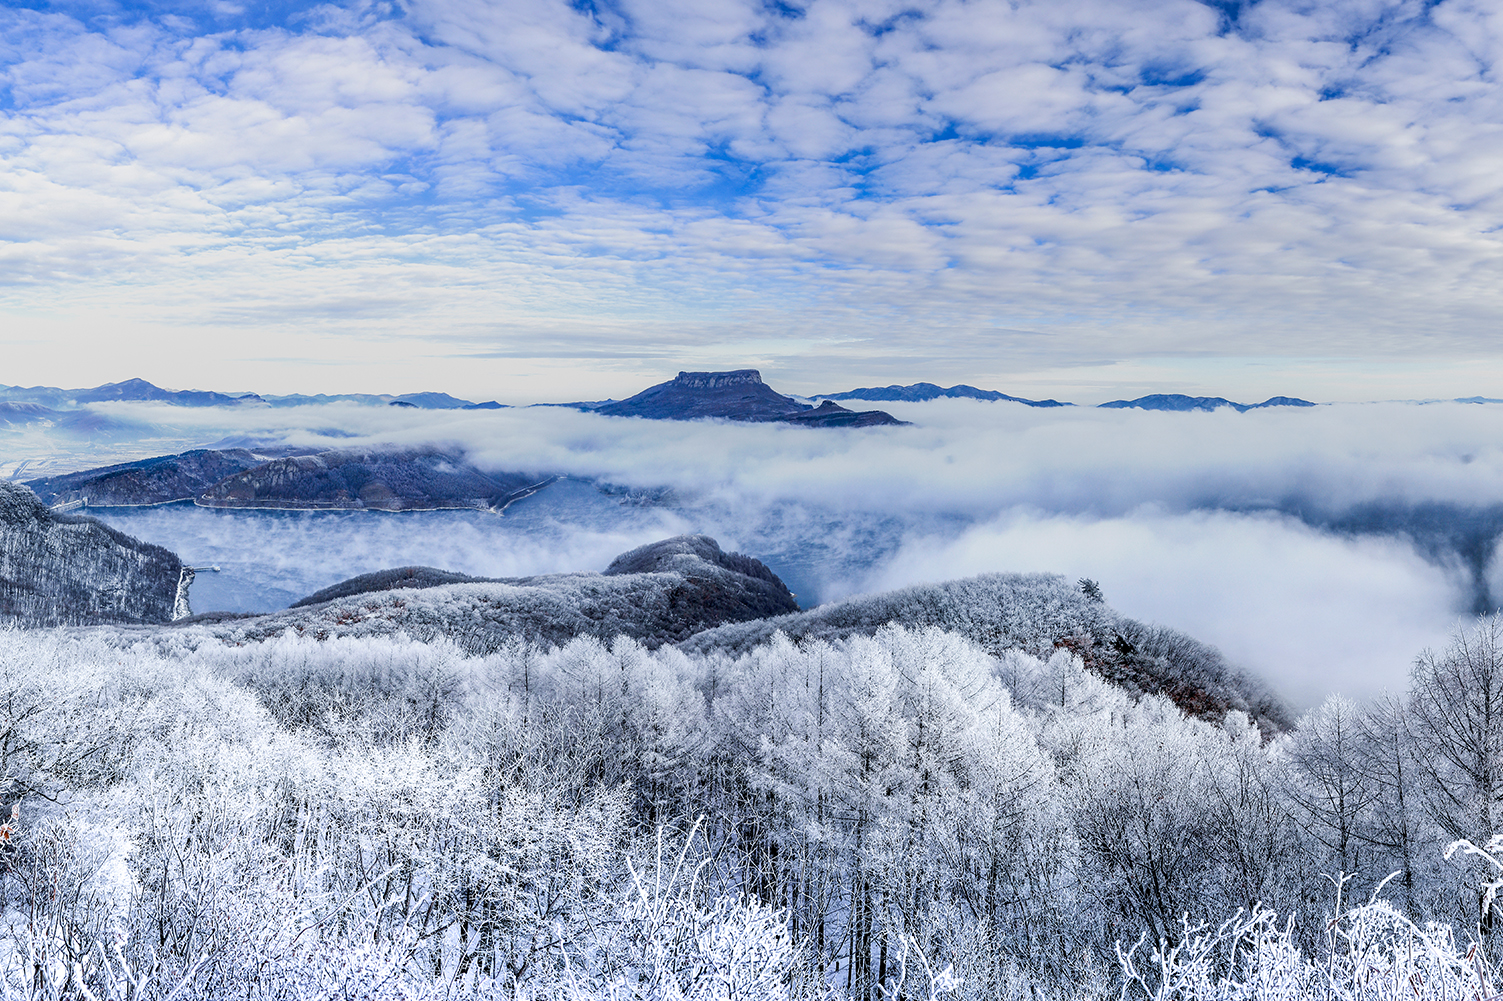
{"type": "Point", "coordinates": [1374, 954]}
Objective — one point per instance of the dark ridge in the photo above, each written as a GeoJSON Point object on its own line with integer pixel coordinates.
{"type": "Point", "coordinates": [1172, 401]}
{"type": "Point", "coordinates": [832, 415]}
{"type": "Point", "coordinates": [1177, 401]}
{"type": "Point", "coordinates": [164, 479]}
{"type": "Point", "coordinates": [288, 477]}
{"type": "Point", "coordinates": [379, 480]}
{"type": "Point", "coordinates": [388, 580]}
{"type": "Point", "coordinates": [676, 588]}
{"type": "Point", "coordinates": [921, 392]}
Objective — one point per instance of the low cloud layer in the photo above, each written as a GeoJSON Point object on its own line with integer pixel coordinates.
{"type": "Point", "coordinates": [1316, 546]}
{"type": "Point", "coordinates": [1312, 612]}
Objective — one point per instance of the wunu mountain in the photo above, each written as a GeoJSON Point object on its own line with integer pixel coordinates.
{"type": "Point", "coordinates": [739, 396]}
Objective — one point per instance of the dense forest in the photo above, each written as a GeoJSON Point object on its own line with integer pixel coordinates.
{"type": "Point", "coordinates": [900, 814]}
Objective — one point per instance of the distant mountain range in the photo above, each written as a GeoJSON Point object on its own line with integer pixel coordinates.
{"type": "Point", "coordinates": [139, 390]}
{"type": "Point", "coordinates": [920, 392]}
{"type": "Point", "coordinates": [734, 395]}
{"type": "Point", "coordinates": [1176, 401]}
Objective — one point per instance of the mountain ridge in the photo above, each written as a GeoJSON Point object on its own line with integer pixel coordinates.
{"type": "Point", "coordinates": [920, 392]}
{"type": "Point", "coordinates": [1183, 403]}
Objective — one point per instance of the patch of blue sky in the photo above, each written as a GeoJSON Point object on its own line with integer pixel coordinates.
{"type": "Point", "coordinates": [184, 18]}
{"type": "Point", "coordinates": [1319, 167]}
{"type": "Point", "coordinates": [1171, 78]}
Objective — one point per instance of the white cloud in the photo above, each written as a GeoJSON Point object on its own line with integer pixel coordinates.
{"type": "Point", "coordinates": [1125, 180]}
{"type": "Point", "coordinates": [1312, 613]}
{"type": "Point", "coordinates": [1252, 531]}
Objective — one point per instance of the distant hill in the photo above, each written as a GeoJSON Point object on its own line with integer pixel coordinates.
{"type": "Point", "coordinates": [739, 396]}
{"type": "Point", "coordinates": [389, 479]}
{"type": "Point", "coordinates": [69, 423]}
{"type": "Point", "coordinates": [58, 569]}
{"type": "Point", "coordinates": [1176, 401]}
{"type": "Point", "coordinates": [422, 401]}
{"type": "Point", "coordinates": [160, 480]}
{"type": "Point", "coordinates": [920, 392]}
{"type": "Point", "coordinates": [660, 593]}
{"type": "Point", "coordinates": [1036, 613]}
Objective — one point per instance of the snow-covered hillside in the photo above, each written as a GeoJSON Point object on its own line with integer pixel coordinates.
{"type": "Point", "coordinates": [57, 569]}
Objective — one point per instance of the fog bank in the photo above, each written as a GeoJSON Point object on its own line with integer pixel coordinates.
{"type": "Point", "coordinates": [1320, 547]}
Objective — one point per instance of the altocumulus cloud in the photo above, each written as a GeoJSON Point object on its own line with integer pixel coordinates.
{"type": "Point", "coordinates": [958, 181]}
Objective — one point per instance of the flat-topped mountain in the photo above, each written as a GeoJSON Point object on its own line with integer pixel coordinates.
{"type": "Point", "coordinates": [739, 396]}
{"type": "Point", "coordinates": [1178, 401]}
{"type": "Point", "coordinates": [921, 392]}
{"type": "Point", "coordinates": [58, 569]}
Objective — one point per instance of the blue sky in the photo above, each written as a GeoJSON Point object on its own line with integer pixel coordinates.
{"type": "Point", "coordinates": [538, 200]}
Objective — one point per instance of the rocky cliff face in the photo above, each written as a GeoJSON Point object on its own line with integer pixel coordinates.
{"type": "Point", "coordinates": [61, 570]}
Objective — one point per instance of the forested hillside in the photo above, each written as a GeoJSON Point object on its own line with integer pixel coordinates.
{"type": "Point", "coordinates": [1036, 613]}
{"type": "Point", "coordinates": [900, 814]}
{"type": "Point", "coordinates": [57, 569]}
{"type": "Point", "coordinates": [663, 592]}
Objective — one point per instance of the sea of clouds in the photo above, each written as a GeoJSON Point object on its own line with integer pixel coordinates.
{"type": "Point", "coordinates": [1252, 531]}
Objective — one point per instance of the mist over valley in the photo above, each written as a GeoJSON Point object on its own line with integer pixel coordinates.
{"type": "Point", "coordinates": [1320, 547]}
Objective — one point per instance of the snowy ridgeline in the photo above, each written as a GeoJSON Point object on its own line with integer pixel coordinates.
{"type": "Point", "coordinates": [689, 592]}
{"type": "Point", "coordinates": [894, 815]}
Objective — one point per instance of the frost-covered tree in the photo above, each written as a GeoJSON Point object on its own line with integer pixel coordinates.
{"type": "Point", "coordinates": [1455, 714]}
